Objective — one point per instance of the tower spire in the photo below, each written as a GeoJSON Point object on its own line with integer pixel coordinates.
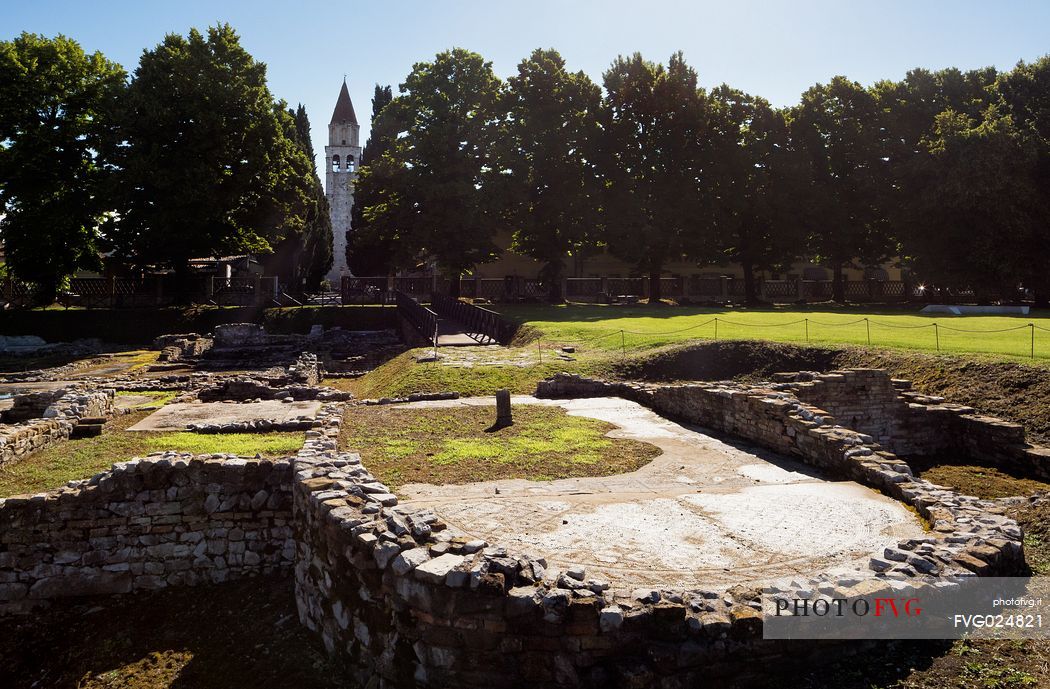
{"type": "Point", "coordinates": [344, 108]}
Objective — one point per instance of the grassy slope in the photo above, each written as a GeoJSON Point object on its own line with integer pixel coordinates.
{"type": "Point", "coordinates": [403, 375]}
{"type": "Point", "coordinates": [75, 459]}
{"type": "Point", "coordinates": [455, 445]}
{"type": "Point", "coordinates": [597, 327]}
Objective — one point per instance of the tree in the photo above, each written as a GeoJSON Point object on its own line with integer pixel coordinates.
{"type": "Point", "coordinates": [316, 255]}
{"type": "Point", "coordinates": [839, 127]}
{"type": "Point", "coordinates": [210, 165]}
{"type": "Point", "coordinates": [757, 180]}
{"type": "Point", "coordinates": [549, 159]}
{"type": "Point", "coordinates": [384, 131]}
{"type": "Point", "coordinates": [655, 121]}
{"type": "Point", "coordinates": [56, 145]}
{"type": "Point", "coordinates": [304, 255]}
{"type": "Point", "coordinates": [367, 251]}
{"type": "Point", "coordinates": [1025, 94]}
{"type": "Point", "coordinates": [435, 198]}
{"type": "Point", "coordinates": [983, 219]}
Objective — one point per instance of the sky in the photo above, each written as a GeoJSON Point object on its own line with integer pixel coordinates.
{"type": "Point", "coordinates": [772, 48]}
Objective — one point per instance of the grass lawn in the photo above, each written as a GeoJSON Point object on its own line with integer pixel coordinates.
{"type": "Point", "coordinates": [57, 464]}
{"type": "Point", "coordinates": [598, 327]}
{"type": "Point", "coordinates": [452, 445]}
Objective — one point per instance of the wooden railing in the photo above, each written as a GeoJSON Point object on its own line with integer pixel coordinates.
{"type": "Point", "coordinates": [419, 317]}
{"type": "Point", "coordinates": [478, 322]}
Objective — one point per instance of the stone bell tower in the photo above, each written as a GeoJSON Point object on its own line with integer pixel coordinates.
{"type": "Point", "coordinates": [342, 158]}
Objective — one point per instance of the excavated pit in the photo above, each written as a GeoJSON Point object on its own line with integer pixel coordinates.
{"type": "Point", "coordinates": [706, 512]}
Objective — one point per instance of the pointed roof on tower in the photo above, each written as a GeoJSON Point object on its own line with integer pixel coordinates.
{"type": "Point", "coordinates": [344, 109]}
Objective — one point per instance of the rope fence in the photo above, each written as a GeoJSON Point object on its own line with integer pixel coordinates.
{"type": "Point", "coordinates": [938, 330]}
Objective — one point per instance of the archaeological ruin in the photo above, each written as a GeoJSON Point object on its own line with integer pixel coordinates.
{"type": "Point", "coordinates": [651, 578]}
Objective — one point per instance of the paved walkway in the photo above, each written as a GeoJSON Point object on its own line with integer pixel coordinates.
{"type": "Point", "coordinates": [704, 513]}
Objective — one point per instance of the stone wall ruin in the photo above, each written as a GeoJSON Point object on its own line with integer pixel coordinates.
{"type": "Point", "coordinates": [404, 602]}
{"type": "Point", "coordinates": [38, 419]}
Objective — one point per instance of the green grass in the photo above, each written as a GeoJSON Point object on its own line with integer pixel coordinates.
{"type": "Point", "coordinates": [157, 398]}
{"type": "Point", "coordinates": [457, 445]}
{"type": "Point", "coordinates": [403, 375]}
{"type": "Point", "coordinates": [599, 327]}
{"type": "Point", "coordinates": [57, 464]}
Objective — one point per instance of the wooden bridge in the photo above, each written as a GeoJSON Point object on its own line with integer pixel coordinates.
{"type": "Point", "coordinates": [449, 322]}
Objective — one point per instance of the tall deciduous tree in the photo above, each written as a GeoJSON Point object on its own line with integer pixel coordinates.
{"type": "Point", "coordinates": [437, 176]}
{"type": "Point", "coordinates": [757, 180]}
{"type": "Point", "coordinates": [56, 144]}
{"type": "Point", "coordinates": [1025, 93]}
{"type": "Point", "coordinates": [979, 201]}
{"type": "Point", "coordinates": [839, 126]}
{"type": "Point", "coordinates": [549, 159]}
{"type": "Point", "coordinates": [210, 166]}
{"type": "Point", "coordinates": [654, 125]}
{"type": "Point", "coordinates": [369, 251]}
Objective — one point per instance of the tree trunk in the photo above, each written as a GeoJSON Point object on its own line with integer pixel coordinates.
{"type": "Point", "coordinates": [182, 282]}
{"type": "Point", "coordinates": [750, 298]}
{"type": "Point", "coordinates": [453, 285]}
{"type": "Point", "coordinates": [655, 293]}
{"type": "Point", "coordinates": [46, 292]}
{"type": "Point", "coordinates": [1040, 293]}
{"type": "Point", "coordinates": [554, 293]}
{"type": "Point", "coordinates": [838, 287]}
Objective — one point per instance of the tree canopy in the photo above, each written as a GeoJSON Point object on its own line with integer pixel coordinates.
{"type": "Point", "coordinates": [549, 160]}
{"type": "Point", "coordinates": [57, 143]}
{"type": "Point", "coordinates": [758, 182]}
{"type": "Point", "coordinates": [434, 200]}
{"type": "Point", "coordinates": [655, 123]}
{"type": "Point", "coordinates": [211, 164]}
{"type": "Point", "coordinates": [839, 127]}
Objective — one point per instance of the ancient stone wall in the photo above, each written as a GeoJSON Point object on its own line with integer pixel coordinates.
{"type": "Point", "coordinates": [405, 602]}
{"type": "Point", "coordinates": [396, 596]}
{"type": "Point", "coordinates": [49, 417]}
{"type": "Point", "coordinates": [164, 520]}
{"type": "Point", "coordinates": [908, 423]}
{"type": "Point", "coordinates": [401, 601]}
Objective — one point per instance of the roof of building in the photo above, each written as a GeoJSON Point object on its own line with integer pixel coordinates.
{"type": "Point", "coordinates": [344, 109]}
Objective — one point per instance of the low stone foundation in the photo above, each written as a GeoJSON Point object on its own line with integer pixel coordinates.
{"type": "Point", "coordinates": [168, 519]}
{"type": "Point", "coordinates": [48, 417]}
{"type": "Point", "coordinates": [299, 381]}
{"type": "Point", "coordinates": [909, 423]}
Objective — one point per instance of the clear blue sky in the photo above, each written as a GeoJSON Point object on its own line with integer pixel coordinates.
{"type": "Point", "coordinates": [776, 49]}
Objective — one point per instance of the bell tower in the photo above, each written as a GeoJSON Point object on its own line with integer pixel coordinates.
{"type": "Point", "coordinates": [342, 158]}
